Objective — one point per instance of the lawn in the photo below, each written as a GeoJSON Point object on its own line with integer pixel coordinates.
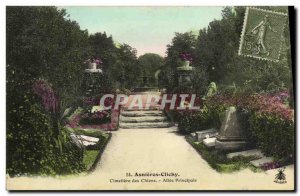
{"type": "Point", "coordinates": [92, 154]}
{"type": "Point", "coordinates": [89, 157]}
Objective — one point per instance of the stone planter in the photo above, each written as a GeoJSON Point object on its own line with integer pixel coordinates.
{"type": "Point", "coordinates": [185, 73]}
{"type": "Point", "coordinates": [92, 66]}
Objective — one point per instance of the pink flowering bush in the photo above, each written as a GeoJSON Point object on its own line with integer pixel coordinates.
{"type": "Point", "coordinates": [109, 126]}
{"type": "Point", "coordinates": [98, 117]}
{"type": "Point", "coordinates": [186, 57]}
{"type": "Point", "coordinates": [267, 120]}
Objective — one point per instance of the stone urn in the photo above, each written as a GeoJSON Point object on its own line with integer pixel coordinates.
{"type": "Point", "coordinates": [92, 66]}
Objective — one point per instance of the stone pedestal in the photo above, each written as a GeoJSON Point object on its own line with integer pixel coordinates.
{"type": "Point", "coordinates": [185, 74]}
{"type": "Point", "coordinates": [231, 135]}
{"type": "Point", "coordinates": [90, 80]}
{"type": "Point", "coordinates": [93, 70]}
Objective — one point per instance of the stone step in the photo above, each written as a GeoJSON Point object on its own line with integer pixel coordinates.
{"type": "Point", "coordinates": [141, 109]}
{"type": "Point", "coordinates": [145, 125]}
{"type": "Point", "coordinates": [143, 119]}
{"type": "Point", "coordinates": [262, 161]}
{"type": "Point", "coordinates": [201, 135]}
{"type": "Point", "coordinates": [132, 113]}
{"type": "Point", "coordinates": [247, 153]}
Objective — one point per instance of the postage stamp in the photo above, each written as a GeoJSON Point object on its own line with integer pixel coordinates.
{"type": "Point", "coordinates": [262, 34]}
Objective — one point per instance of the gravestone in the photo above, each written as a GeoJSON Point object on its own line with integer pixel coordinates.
{"type": "Point", "coordinates": [76, 141]}
{"type": "Point", "coordinates": [231, 135]}
{"type": "Point", "coordinates": [247, 153]}
{"type": "Point", "coordinates": [210, 142]}
{"type": "Point", "coordinates": [208, 133]}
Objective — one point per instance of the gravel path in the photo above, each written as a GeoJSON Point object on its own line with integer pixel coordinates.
{"type": "Point", "coordinates": [155, 151]}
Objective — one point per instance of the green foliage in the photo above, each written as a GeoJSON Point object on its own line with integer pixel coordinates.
{"type": "Point", "coordinates": [193, 121]}
{"type": "Point", "coordinates": [128, 62]}
{"type": "Point", "coordinates": [268, 124]}
{"type": "Point", "coordinates": [96, 84]}
{"type": "Point", "coordinates": [89, 158]}
{"type": "Point", "coordinates": [38, 47]}
{"type": "Point", "coordinates": [32, 147]}
{"type": "Point", "coordinates": [181, 43]}
{"type": "Point", "coordinates": [210, 116]}
{"type": "Point", "coordinates": [212, 89]}
{"type": "Point", "coordinates": [41, 44]}
{"type": "Point", "coordinates": [275, 135]}
{"type": "Point", "coordinates": [103, 47]}
{"type": "Point", "coordinates": [217, 48]}
{"type": "Point", "coordinates": [92, 153]}
{"type": "Point", "coordinates": [123, 72]}
{"type": "Point", "coordinates": [148, 64]}
{"type": "Point", "coordinates": [215, 54]}
{"type": "Point", "coordinates": [199, 80]}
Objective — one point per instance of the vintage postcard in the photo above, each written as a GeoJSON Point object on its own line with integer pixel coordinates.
{"type": "Point", "coordinates": [171, 98]}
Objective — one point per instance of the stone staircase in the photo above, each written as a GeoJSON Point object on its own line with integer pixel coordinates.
{"type": "Point", "coordinates": [143, 118]}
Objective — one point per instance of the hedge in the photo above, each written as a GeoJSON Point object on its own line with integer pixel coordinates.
{"type": "Point", "coordinates": [267, 120]}
{"type": "Point", "coordinates": [274, 135]}
{"type": "Point", "coordinates": [32, 146]}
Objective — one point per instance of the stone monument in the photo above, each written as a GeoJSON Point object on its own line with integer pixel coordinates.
{"type": "Point", "coordinates": [231, 135]}
{"type": "Point", "coordinates": [212, 89]}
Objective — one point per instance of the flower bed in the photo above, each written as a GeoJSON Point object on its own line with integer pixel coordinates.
{"type": "Point", "coordinates": [96, 118]}
{"type": "Point", "coordinates": [74, 122]}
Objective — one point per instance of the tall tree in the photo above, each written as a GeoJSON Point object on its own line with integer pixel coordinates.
{"type": "Point", "coordinates": [181, 43]}
{"type": "Point", "coordinates": [150, 63]}
{"type": "Point", "coordinates": [217, 49]}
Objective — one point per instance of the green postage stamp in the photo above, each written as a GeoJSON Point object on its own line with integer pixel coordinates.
{"type": "Point", "coordinates": [262, 34]}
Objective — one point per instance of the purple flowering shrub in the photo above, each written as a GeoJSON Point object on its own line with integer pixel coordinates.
{"type": "Point", "coordinates": [271, 165]}
{"type": "Point", "coordinates": [47, 94]}
{"type": "Point", "coordinates": [93, 60]}
{"type": "Point", "coordinates": [267, 120]}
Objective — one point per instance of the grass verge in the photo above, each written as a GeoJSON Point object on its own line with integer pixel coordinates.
{"type": "Point", "coordinates": [89, 157]}
{"type": "Point", "coordinates": [92, 154]}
